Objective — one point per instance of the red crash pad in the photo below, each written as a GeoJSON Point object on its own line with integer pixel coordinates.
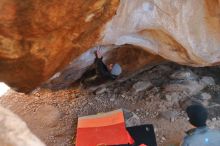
{"type": "Point", "coordinates": [102, 129]}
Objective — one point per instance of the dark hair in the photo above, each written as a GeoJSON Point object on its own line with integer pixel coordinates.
{"type": "Point", "coordinates": [197, 114]}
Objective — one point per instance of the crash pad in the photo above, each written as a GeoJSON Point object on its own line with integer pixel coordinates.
{"type": "Point", "coordinates": [102, 129]}
{"type": "Point", "coordinates": [143, 135]}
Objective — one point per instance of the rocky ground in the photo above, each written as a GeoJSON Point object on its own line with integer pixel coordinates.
{"type": "Point", "coordinates": [157, 95]}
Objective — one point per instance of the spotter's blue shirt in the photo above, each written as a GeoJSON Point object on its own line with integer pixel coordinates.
{"type": "Point", "coordinates": [203, 136]}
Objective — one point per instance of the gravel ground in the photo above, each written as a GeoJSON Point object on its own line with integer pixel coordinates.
{"type": "Point", "coordinates": [155, 96]}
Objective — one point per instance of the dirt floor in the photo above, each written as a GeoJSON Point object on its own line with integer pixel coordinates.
{"type": "Point", "coordinates": [155, 96]}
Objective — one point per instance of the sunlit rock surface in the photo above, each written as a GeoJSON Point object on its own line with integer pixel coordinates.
{"type": "Point", "coordinates": [39, 38]}
{"type": "Point", "coordinates": [186, 32]}
{"type": "Point", "coordinates": [14, 132]}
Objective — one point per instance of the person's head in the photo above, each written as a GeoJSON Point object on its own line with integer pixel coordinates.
{"type": "Point", "coordinates": [115, 69]}
{"type": "Point", "coordinates": [110, 66]}
{"type": "Point", "coordinates": [197, 114]}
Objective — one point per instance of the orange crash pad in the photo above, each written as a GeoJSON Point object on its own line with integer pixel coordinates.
{"type": "Point", "coordinates": [103, 129]}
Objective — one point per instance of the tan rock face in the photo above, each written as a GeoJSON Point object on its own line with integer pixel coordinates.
{"type": "Point", "coordinates": [14, 132]}
{"type": "Point", "coordinates": [39, 38]}
{"type": "Point", "coordinates": [186, 32]}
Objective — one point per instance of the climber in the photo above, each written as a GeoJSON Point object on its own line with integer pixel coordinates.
{"type": "Point", "coordinates": [100, 73]}
{"type": "Point", "coordinates": [200, 135]}
{"type": "Point", "coordinates": [106, 72]}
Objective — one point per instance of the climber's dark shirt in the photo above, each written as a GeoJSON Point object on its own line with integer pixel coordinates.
{"type": "Point", "coordinates": [102, 70]}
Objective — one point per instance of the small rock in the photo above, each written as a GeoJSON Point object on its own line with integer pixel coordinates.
{"type": "Point", "coordinates": [97, 98]}
{"type": "Point", "coordinates": [142, 85]}
{"type": "Point", "coordinates": [205, 103]}
{"type": "Point", "coordinates": [169, 115]}
{"type": "Point", "coordinates": [156, 114]}
{"type": "Point", "coordinates": [123, 96]}
{"type": "Point", "coordinates": [214, 119]}
{"type": "Point", "coordinates": [90, 103]}
{"type": "Point", "coordinates": [133, 121]}
{"type": "Point", "coordinates": [163, 138]}
{"type": "Point", "coordinates": [37, 94]}
{"type": "Point", "coordinates": [173, 97]}
{"type": "Point", "coordinates": [208, 80]}
{"type": "Point", "coordinates": [168, 97]}
{"type": "Point", "coordinates": [127, 113]}
{"type": "Point", "coordinates": [147, 113]}
{"type": "Point", "coordinates": [112, 99]}
{"type": "Point", "coordinates": [172, 119]}
{"type": "Point", "coordinates": [184, 75]}
{"type": "Point", "coordinates": [155, 130]}
{"type": "Point", "coordinates": [191, 87]}
{"type": "Point", "coordinates": [205, 96]}
{"type": "Point", "coordinates": [100, 91]}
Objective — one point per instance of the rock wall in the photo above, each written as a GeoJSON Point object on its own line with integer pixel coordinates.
{"type": "Point", "coordinates": [39, 38]}
{"type": "Point", "coordinates": [14, 132]}
{"type": "Point", "coordinates": [186, 32]}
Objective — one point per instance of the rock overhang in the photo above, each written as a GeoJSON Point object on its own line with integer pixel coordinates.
{"type": "Point", "coordinates": [40, 38]}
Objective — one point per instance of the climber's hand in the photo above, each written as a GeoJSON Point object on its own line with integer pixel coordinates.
{"type": "Point", "coordinates": [98, 53]}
